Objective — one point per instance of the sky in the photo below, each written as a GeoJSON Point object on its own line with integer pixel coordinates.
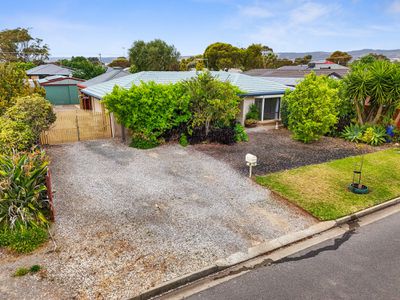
{"type": "Point", "coordinates": [87, 28]}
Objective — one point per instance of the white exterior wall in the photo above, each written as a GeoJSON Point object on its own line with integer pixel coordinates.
{"type": "Point", "coordinates": [96, 105]}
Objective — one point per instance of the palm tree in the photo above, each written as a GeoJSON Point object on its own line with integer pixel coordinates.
{"type": "Point", "coordinates": [374, 89]}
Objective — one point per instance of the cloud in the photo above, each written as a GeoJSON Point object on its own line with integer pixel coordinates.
{"type": "Point", "coordinates": [395, 6]}
{"type": "Point", "coordinates": [308, 12]}
{"type": "Point", "coordinates": [255, 11]}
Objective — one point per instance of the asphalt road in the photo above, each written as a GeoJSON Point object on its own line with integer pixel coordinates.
{"type": "Point", "coordinates": [363, 264]}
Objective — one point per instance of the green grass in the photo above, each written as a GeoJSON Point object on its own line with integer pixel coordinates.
{"type": "Point", "coordinates": [322, 189]}
{"type": "Point", "coordinates": [23, 240]}
{"type": "Point", "coordinates": [23, 271]}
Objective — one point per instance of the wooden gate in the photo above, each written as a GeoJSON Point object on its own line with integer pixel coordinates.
{"type": "Point", "coordinates": [77, 125]}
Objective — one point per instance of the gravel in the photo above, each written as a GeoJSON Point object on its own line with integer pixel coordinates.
{"type": "Point", "coordinates": [130, 219]}
{"type": "Point", "coordinates": [277, 151]}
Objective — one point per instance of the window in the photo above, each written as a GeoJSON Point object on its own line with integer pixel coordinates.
{"type": "Point", "coordinates": [268, 107]}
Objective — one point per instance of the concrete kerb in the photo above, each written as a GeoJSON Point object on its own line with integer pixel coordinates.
{"type": "Point", "coordinates": [259, 250]}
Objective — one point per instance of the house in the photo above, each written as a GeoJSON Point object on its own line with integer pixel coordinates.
{"type": "Point", "coordinates": [61, 90]}
{"type": "Point", "coordinates": [110, 74]}
{"type": "Point", "coordinates": [263, 93]}
{"type": "Point", "coordinates": [46, 70]}
{"type": "Point", "coordinates": [292, 75]}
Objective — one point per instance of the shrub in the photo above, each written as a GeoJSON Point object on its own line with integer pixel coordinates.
{"type": "Point", "coordinates": [14, 83]}
{"type": "Point", "coordinates": [35, 269]}
{"type": "Point", "coordinates": [35, 111]}
{"type": "Point", "coordinates": [353, 133]}
{"type": "Point", "coordinates": [253, 113]}
{"type": "Point", "coordinates": [183, 141]}
{"type": "Point", "coordinates": [213, 103]}
{"type": "Point", "coordinates": [23, 190]}
{"type": "Point", "coordinates": [23, 239]}
{"type": "Point", "coordinates": [250, 123]}
{"type": "Point", "coordinates": [21, 272]}
{"type": "Point", "coordinates": [374, 135]}
{"type": "Point", "coordinates": [313, 107]}
{"type": "Point", "coordinates": [143, 143]}
{"type": "Point", "coordinates": [15, 135]}
{"type": "Point", "coordinates": [240, 133]}
{"type": "Point", "coordinates": [284, 112]}
{"type": "Point", "coordinates": [149, 110]}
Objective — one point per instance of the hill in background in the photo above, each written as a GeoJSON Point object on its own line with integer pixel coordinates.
{"type": "Point", "coordinates": [320, 55]}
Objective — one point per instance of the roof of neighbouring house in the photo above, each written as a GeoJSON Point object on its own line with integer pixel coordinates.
{"type": "Point", "coordinates": [108, 75]}
{"type": "Point", "coordinates": [49, 69]}
{"type": "Point", "coordinates": [289, 81]}
{"type": "Point", "coordinates": [295, 73]}
{"type": "Point", "coordinates": [251, 86]}
{"type": "Point", "coordinates": [59, 80]}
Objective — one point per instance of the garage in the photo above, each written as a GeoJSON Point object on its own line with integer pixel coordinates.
{"type": "Point", "coordinates": [61, 90]}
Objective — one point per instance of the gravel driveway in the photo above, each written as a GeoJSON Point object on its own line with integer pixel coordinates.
{"type": "Point", "coordinates": [130, 219]}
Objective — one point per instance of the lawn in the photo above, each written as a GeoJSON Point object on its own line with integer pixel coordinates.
{"type": "Point", "coordinates": [322, 189]}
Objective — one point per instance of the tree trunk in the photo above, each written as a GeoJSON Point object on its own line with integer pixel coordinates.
{"type": "Point", "coordinates": [397, 120]}
{"type": "Point", "coordinates": [359, 113]}
{"type": "Point", "coordinates": [378, 114]}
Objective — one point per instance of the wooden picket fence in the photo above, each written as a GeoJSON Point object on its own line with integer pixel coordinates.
{"type": "Point", "coordinates": [77, 125]}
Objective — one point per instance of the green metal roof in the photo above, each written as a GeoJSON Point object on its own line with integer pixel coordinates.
{"type": "Point", "coordinates": [251, 86]}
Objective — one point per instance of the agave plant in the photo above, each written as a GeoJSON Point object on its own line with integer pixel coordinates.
{"type": "Point", "coordinates": [353, 133]}
{"type": "Point", "coordinates": [23, 189]}
{"type": "Point", "coordinates": [374, 135]}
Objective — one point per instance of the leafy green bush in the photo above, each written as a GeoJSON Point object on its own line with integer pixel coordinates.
{"type": "Point", "coordinates": [374, 135]}
{"type": "Point", "coordinates": [14, 83]}
{"type": "Point", "coordinates": [253, 113]}
{"type": "Point", "coordinates": [155, 112]}
{"type": "Point", "coordinates": [183, 141]}
{"type": "Point", "coordinates": [284, 112]}
{"type": "Point", "coordinates": [313, 107]}
{"type": "Point", "coordinates": [250, 123]}
{"type": "Point", "coordinates": [35, 111]}
{"type": "Point", "coordinates": [35, 269]}
{"type": "Point", "coordinates": [353, 133]}
{"type": "Point", "coordinates": [240, 133]}
{"type": "Point", "coordinates": [23, 189]}
{"type": "Point", "coordinates": [213, 103]}
{"type": "Point", "coordinates": [143, 143]}
{"type": "Point", "coordinates": [15, 135]}
{"type": "Point", "coordinates": [21, 272]}
{"type": "Point", "coordinates": [23, 239]}
{"type": "Point", "coordinates": [149, 110]}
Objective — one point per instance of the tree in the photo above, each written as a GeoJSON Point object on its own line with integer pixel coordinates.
{"type": "Point", "coordinates": [305, 60]}
{"type": "Point", "coordinates": [222, 56]}
{"type": "Point", "coordinates": [120, 62]}
{"type": "Point", "coordinates": [82, 67]}
{"type": "Point", "coordinates": [212, 102]}
{"type": "Point", "coordinates": [18, 45]}
{"type": "Point", "coordinates": [374, 89]}
{"type": "Point", "coordinates": [312, 107]}
{"type": "Point", "coordinates": [370, 58]}
{"type": "Point", "coordinates": [339, 57]}
{"type": "Point", "coordinates": [252, 56]}
{"type": "Point", "coordinates": [14, 83]}
{"type": "Point", "coordinates": [155, 55]}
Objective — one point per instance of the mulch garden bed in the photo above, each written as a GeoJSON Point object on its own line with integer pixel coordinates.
{"type": "Point", "coordinates": [277, 151]}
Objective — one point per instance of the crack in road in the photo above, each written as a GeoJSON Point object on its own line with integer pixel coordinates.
{"type": "Point", "coordinates": [336, 244]}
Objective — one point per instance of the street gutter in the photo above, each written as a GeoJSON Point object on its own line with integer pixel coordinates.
{"type": "Point", "coordinates": [262, 249]}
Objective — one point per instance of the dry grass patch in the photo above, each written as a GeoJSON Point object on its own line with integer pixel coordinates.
{"type": "Point", "coordinates": [322, 189]}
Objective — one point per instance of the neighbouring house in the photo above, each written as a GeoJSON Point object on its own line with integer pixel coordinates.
{"type": "Point", "coordinates": [46, 70]}
{"type": "Point", "coordinates": [61, 90]}
{"type": "Point", "coordinates": [292, 75]}
{"type": "Point", "coordinates": [110, 74]}
{"type": "Point", "coordinates": [263, 93]}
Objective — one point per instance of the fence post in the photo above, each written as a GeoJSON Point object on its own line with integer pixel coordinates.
{"type": "Point", "coordinates": [77, 125]}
